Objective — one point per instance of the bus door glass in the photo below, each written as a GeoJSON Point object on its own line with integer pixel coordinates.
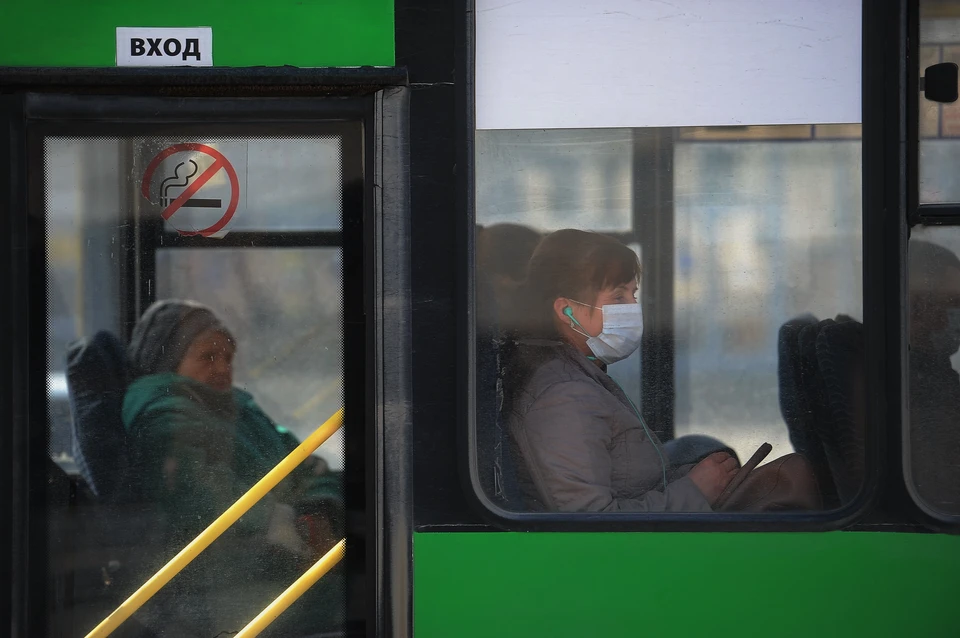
{"type": "Point", "coordinates": [932, 440]}
{"type": "Point", "coordinates": [199, 282]}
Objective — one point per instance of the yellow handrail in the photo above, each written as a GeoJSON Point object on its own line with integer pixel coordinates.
{"type": "Point", "coordinates": [217, 527]}
{"type": "Point", "coordinates": [294, 591]}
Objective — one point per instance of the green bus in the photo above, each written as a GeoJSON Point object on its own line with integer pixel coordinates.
{"type": "Point", "coordinates": [352, 193]}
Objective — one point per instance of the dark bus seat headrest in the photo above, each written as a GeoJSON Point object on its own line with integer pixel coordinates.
{"type": "Point", "coordinates": [97, 379]}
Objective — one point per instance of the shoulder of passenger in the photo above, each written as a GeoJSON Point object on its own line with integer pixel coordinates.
{"type": "Point", "coordinates": [556, 376]}
{"type": "Point", "coordinates": [573, 385]}
{"type": "Point", "coordinates": [172, 402]}
{"type": "Point", "coordinates": [557, 371]}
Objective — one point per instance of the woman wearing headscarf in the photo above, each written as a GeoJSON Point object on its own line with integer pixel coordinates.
{"type": "Point", "coordinates": [197, 445]}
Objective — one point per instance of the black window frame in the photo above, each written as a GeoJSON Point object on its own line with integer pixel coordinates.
{"type": "Point", "coordinates": [39, 102]}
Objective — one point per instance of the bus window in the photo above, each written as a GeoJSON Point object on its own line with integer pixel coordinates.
{"type": "Point", "coordinates": [749, 330]}
{"type": "Point", "coordinates": [932, 439]}
{"type": "Point", "coordinates": [83, 213]}
{"type": "Point", "coordinates": [765, 231]}
{"type": "Point", "coordinates": [934, 390]}
{"type": "Point", "coordinates": [196, 308]}
{"type": "Point", "coordinates": [939, 125]}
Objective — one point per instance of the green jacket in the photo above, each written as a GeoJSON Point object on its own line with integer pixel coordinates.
{"type": "Point", "coordinates": [194, 452]}
{"type": "Point", "coordinates": [197, 451]}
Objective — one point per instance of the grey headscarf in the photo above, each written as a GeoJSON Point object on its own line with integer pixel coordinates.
{"type": "Point", "coordinates": [164, 333]}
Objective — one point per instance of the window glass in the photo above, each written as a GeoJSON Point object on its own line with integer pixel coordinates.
{"type": "Point", "coordinates": [765, 231]}
{"type": "Point", "coordinates": [939, 123]}
{"type": "Point", "coordinates": [749, 282]}
{"type": "Point", "coordinates": [284, 184]}
{"type": "Point", "coordinates": [283, 304]}
{"type": "Point", "coordinates": [293, 186]}
{"type": "Point", "coordinates": [934, 338]}
{"type": "Point", "coordinates": [83, 208]}
{"type": "Point", "coordinates": [178, 377]}
{"type": "Point", "coordinates": [555, 179]}
{"type": "Point", "coordinates": [932, 445]}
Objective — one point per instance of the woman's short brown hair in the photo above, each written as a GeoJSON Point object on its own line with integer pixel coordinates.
{"type": "Point", "coordinates": [570, 263]}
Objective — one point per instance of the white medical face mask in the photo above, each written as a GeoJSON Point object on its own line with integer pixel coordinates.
{"type": "Point", "coordinates": [622, 331]}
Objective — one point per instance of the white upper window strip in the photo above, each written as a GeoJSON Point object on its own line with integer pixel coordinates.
{"type": "Point", "coordinates": [643, 63]}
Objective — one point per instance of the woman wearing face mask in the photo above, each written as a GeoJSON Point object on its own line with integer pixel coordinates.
{"type": "Point", "coordinates": [581, 444]}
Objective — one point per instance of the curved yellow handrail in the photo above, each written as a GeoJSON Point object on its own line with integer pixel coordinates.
{"type": "Point", "coordinates": [294, 591]}
{"type": "Point", "coordinates": [217, 527]}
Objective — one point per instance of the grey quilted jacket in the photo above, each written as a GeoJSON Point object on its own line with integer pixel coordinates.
{"type": "Point", "coordinates": [581, 447]}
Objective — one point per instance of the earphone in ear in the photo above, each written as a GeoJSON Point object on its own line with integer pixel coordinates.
{"type": "Point", "coordinates": [568, 311]}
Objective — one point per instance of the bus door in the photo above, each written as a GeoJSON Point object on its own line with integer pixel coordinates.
{"type": "Point", "coordinates": [195, 290]}
{"type": "Point", "coordinates": [931, 444]}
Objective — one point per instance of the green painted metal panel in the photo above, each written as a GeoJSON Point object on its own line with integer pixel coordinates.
{"type": "Point", "coordinates": [656, 584]}
{"type": "Point", "coordinates": [302, 33]}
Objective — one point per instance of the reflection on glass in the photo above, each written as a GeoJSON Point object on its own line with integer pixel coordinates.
{"type": "Point", "coordinates": [293, 184]}
{"type": "Point", "coordinates": [933, 455]}
{"type": "Point", "coordinates": [280, 184]}
{"type": "Point", "coordinates": [555, 179]}
{"type": "Point", "coordinates": [939, 123]}
{"type": "Point", "coordinates": [765, 231]}
{"type": "Point", "coordinates": [84, 203]}
{"type": "Point", "coordinates": [155, 435]}
{"type": "Point", "coordinates": [283, 306]}
{"type": "Point", "coordinates": [934, 297]}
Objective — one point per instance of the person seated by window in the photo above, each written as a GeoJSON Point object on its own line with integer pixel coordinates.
{"type": "Point", "coordinates": [934, 384]}
{"type": "Point", "coordinates": [503, 252]}
{"type": "Point", "coordinates": [580, 443]}
{"type": "Point", "coordinates": [198, 443]}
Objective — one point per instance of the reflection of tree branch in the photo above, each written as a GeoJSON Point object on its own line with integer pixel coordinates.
{"type": "Point", "coordinates": [256, 304]}
{"type": "Point", "coordinates": [317, 398]}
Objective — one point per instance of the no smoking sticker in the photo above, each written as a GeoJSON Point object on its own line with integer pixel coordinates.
{"type": "Point", "coordinates": [196, 188]}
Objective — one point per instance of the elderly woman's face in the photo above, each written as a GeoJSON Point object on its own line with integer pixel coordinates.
{"type": "Point", "coordinates": [209, 360]}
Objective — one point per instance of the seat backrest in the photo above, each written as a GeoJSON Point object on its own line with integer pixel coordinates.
{"type": "Point", "coordinates": [794, 403]}
{"type": "Point", "coordinates": [97, 379]}
{"type": "Point", "coordinates": [802, 397]}
{"type": "Point", "coordinates": [801, 400]}
{"type": "Point", "coordinates": [498, 476]}
{"type": "Point", "coordinates": [840, 356]}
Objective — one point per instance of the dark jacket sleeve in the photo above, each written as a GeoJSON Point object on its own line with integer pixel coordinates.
{"type": "Point", "coordinates": [567, 439]}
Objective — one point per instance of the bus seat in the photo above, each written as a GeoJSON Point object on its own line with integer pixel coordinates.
{"type": "Point", "coordinates": [819, 413]}
{"type": "Point", "coordinates": [799, 405]}
{"type": "Point", "coordinates": [840, 356]}
{"type": "Point", "coordinates": [495, 463]}
{"type": "Point", "coordinates": [97, 379]}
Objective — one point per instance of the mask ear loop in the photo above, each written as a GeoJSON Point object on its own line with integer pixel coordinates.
{"type": "Point", "coordinates": [574, 323]}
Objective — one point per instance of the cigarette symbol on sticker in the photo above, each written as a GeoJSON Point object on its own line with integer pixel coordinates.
{"type": "Point", "coordinates": [180, 190]}
{"type": "Point", "coordinates": [174, 182]}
